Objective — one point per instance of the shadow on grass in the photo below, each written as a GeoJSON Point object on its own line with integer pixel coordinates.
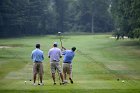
{"type": "Point", "coordinates": [74, 91]}
{"type": "Point", "coordinates": [12, 45]}
{"type": "Point", "coordinates": [131, 43]}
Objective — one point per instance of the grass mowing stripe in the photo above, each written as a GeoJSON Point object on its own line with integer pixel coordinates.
{"type": "Point", "coordinates": [99, 63]}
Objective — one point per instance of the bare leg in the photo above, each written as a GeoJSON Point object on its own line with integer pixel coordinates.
{"type": "Point", "coordinates": [34, 78]}
{"type": "Point", "coordinates": [64, 76]}
{"type": "Point", "coordinates": [41, 77]}
{"type": "Point", "coordinates": [70, 77]}
{"type": "Point", "coordinates": [53, 76]}
{"type": "Point", "coordinates": [41, 72]}
{"type": "Point", "coordinates": [61, 75]}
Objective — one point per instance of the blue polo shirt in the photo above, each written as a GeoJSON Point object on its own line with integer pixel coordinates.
{"type": "Point", "coordinates": [68, 56]}
{"type": "Point", "coordinates": [37, 55]}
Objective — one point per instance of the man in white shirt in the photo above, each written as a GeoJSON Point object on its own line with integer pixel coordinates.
{"type": "Point", "coordinates": [55, 54]}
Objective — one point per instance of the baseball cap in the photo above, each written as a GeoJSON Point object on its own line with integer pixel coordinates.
{"type": "Point", "coordinates": [55, 43]}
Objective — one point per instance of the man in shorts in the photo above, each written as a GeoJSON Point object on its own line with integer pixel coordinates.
{"type": "Point", "coordinates": [55, 54]}
{"type": "Point", "coordinates": [37, 57]}
{"type": "Point", "coordinates": [67, 63]}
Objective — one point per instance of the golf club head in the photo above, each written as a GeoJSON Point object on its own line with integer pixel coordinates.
{"type": "Point", "coordinates": [59, 32]}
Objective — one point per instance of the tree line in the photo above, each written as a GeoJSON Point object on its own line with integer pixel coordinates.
{"type": "Point", "coordinates": [126, 15]}
{"type": "Point", "coordinates": [36, 17]}
{"type": "Point", "coordinates": [39, 17]}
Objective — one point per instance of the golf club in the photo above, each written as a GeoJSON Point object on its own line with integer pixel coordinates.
{"type": "Point", "coordinates": [29, 75]}
{"type": "Point", "coordinates": [59, 33]}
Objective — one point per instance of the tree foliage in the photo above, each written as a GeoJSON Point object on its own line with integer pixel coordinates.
{"type": "Point", "coordinates": [36, 17]}
{"type": "Point", "coordinates": [126, 14]}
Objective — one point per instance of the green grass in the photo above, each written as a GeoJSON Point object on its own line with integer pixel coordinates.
{"type": "Point", "coordinates": [98, 63]}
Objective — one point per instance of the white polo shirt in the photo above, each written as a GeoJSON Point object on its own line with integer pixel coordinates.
{"type": "Point", "coordinates": [54, 54]}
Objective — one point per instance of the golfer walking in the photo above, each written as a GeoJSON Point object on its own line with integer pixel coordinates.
{"type": "Point", "coordinates": [37, 57]}
{"type": "Point", "coordinates": [67, 63]}
{"type": "Point", "coordinates": [55, 54]}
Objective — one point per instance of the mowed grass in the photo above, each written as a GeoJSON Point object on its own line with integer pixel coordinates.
{"type": "Point", "coordinates": [99, 62]}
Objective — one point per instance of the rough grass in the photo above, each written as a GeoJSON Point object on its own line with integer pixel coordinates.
{"type": "Point", "coordinates": [98, 63]}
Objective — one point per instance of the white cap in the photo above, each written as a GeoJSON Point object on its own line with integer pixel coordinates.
{"type": "Point", "coordinates": [55, 43]}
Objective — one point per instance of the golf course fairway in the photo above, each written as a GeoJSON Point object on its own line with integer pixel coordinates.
{"type": "Point", "coordinates": [101, 65]}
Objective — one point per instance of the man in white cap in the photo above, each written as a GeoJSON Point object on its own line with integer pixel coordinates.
{"type": "Point", "coordinates": [55, 54]}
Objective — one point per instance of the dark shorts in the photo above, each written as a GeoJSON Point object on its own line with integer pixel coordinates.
{"type": "Point", "coordinates": [38, 68]}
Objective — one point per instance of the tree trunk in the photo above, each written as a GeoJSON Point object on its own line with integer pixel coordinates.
{"type": "Point", "coordinates": [92, 24]}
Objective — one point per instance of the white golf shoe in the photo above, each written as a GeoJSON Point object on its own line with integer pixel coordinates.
{"type": "Point", "coordinates": [41, 84]}
{"type": "Point", "coordinates": [34, 84]}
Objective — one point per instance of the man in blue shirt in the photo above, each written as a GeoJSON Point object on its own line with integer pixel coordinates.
{"type": "Point", "coordinates": [37, 57]}
{"type": "Point", "coordinates": [67, 63]}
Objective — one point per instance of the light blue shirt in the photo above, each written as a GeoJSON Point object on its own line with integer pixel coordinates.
{"type": "Point", "coordinates": [37, 55]}
{"type": "Point", "coordinates": [68, 56]}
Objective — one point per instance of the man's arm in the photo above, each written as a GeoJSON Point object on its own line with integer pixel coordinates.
{"type": "Point", "coordinates": [60, 53]}
{"type": "Point", "coordinates": [32, 55]}
{"type": "Point", "coordinates": [49, 54]}
{"type": "Point", "coordinates": [43, 56]}
{"type": "Point", "coordinates": [63, 48]}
